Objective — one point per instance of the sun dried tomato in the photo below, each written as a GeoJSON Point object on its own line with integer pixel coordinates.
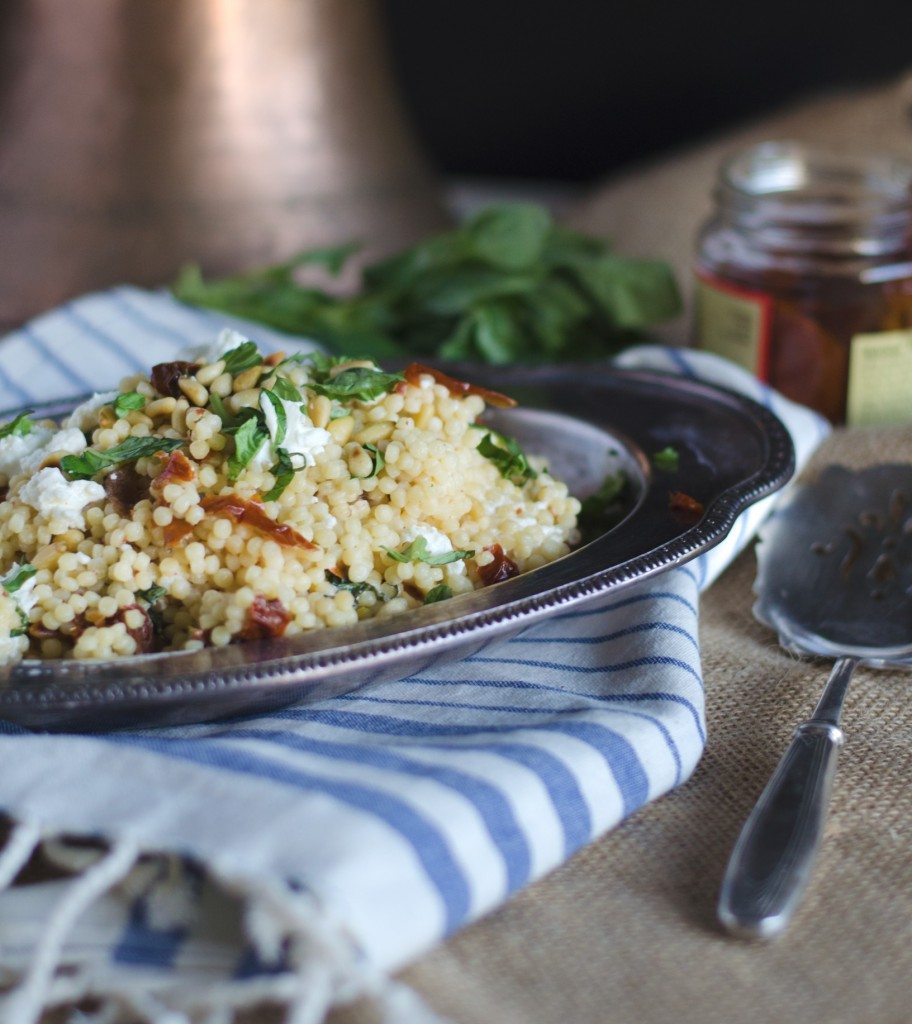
{"type": "Point", "coordinates": [176, 531]}
{"type": "Point", "coordinates": [126, 488]}
{"type": "Point", "coordinates": [241, 510]}
{"type": "Point", "coordinates": [685, 507]}
{"type": "Point", "coordinates": [164, 376]}
{"type": "Point", "coordinates": [265, 619]}
{"type": "Point", "coordinates": [414, 371]}
{"type": "Point", "coordinates": [177, 467]}
{"type": "Point", "coordinates": [144, 634]}
{"type": "Point", "coordinates": [502, 568]}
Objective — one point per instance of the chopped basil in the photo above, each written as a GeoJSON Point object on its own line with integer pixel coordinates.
{"type": "Point", "coordinates": [249, 438]}
{"type": "Point", "coordinates": [131, 401]}
{"type": "Point", "coordinates": [439, 593]}
{"type": "Point", "coordinates": [25, 620]}
{"type": "Point", "coordinates": [320, 365]}
{"type": "Point", "coordinates": [281, 417]}
{"type": "Point", "coordinates": [359, 382]}
{"type": "Point", "coordinates": [417, 551]}
{"type": "Point", "coordinates": [242, 358]}
{"type": "Point", "coordinates": [509, 458]}
{"type": "Point", "coordinates": [153, 594]}
{"type": "Point", "coordinates": [342, 584]}
{"type": "Point", "coordinates": [283, 471]}
{"type": "Point", "coordinates": [377, 461]}
{"type": "Point", "coordinates": [92, 462]}
{"type": "Point", "coordinates": [285, 389]}
{"type": "Point", "coordinates": [21, 426]}
{"type": "Point", "coordinates": [218, 407]}
{"type": "Point", "coordinates": [17, 579]}
{"type": "Point", "coordinates": [667, 459]}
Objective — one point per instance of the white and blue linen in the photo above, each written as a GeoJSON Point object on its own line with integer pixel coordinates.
{"type": "Point", "coordinates": [318, 848]}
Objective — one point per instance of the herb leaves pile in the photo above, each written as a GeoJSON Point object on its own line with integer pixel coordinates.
{"type": "Point", "coordinates": [92, 462]}
{"type": "Point", "coordinates": [508, 285]}
{"type": "Point", "coordinates": [509, 458]}
{"type": "Point", "coordinates": [418, 551]}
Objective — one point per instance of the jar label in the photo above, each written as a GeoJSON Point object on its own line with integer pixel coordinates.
{"type": "Point", "coordinates": [880, 378]}
{"type": "Point", "coordinates": [733, 322]}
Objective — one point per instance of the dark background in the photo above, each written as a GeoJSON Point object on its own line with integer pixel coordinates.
{"type": "Point", "coordinates": [572, 90]}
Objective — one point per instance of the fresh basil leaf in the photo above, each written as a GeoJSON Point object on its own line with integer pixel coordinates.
{"type": "Point", "coordinates": [439, 593]}
{"type": "Point", "coordinates": [26, 622]}
{"type": "Point", "coordinates": [281, 416]}
{"type": "Point", "coordinates": [217, 405]}
{"type": "Point", "coordinates": [21, 426]}
{"type": "Point", "coordinates": [152, 595]}
{"type": "Point", "coordinates": [131, 401]}
{"type": "Point", "coordinates": [377, 461]}
{"type": "Point", "coordinates": [509, 458]}
{"type": "Point", "coordinates": [91, 462]}
{"type": "Point", "coordinates": [283, 471]}
{"type": "Point", "coordinates": [242, 358]}
{"type": "Point", "coordinates": [359, 383]}
{"type": "Point", "coordinates": [509, 236]}
{"type": "Point", "coordinates": [249, 438]}
{"type": "Point", "coordinates": [15, 580]}
{"type": "Point", "coordinates": [631, 293]}
{"type": "Point", "coordinates": [417, 551]}
{"type": "Point", "coordinates": [285, 389]}
{"type": "Point", "coordinates": [342, 584]}
{"type": "Point", "coordinates": [498, 337]}
{"type": "Point", "coordinates": [667, 459]}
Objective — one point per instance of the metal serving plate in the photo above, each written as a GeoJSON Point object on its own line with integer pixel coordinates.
{"type": "Point", "coordinates": [587, 421]}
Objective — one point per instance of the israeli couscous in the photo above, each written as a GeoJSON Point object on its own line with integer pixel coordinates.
{"type": "Point", "coordinates": [230, 496]}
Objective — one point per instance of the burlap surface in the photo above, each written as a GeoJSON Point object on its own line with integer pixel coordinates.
{"type": "Point", "coordinates": [625, 932]}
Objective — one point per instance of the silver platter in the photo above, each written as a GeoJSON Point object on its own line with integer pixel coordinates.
{"type": "Point", "coordinates": [587, 421]}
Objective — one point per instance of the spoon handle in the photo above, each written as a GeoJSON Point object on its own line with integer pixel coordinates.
{"type": "Point", "coordinates": [771, 863]}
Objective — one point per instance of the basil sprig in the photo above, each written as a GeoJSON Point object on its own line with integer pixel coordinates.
{"type": "Point", "coordinates": [358, 382]}
{"type": "Point", "coordinates": [249, 437]}
{"type": "Point", "coordinates": [280, 414]}
{"type": "Point", "coordinates": [439, 593]}
{"type": "Point", "coordinates": [17, 579]}
{"type": "Point", "coordinates": [342, 584]}
{"type": "Point", "coordinates": [417, 551]}
{"type": "Point", "coordinates": [509, 458]}
{"type": "Point", "coordinates": [242, 358]}
{"type": "Point", "coordinates": [153, 594]}
{"type": "Point", "coordinates": [284, 472]}
{"type": "Point", "coordinates": [285, 389]}
{"type": "Point", "coordinates": [667, 459]}
{"type": "Point", "coordinates": [131, 401]}
{"type": "Point", "coordinates": [92, 462]}
{"type": "Point", "coordinates": [21, 426]}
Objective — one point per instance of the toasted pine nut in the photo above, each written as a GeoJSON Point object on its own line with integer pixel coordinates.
{"type": "Point", "coordinates": [247, 378]}
{"type": "Point", "coordinates": [249, 399]}
{"type": "Point", "coordinates": [221, 386]}
{"type": "Point", "coordinates": [207, 374]}
{"type": "Point", "coordinates": [319, 411]}
{"type": "Point", "coordinates": [375, 432]}
{"type": "Point", "coordinates": [195, 391]}
{"type": "Point", "coordinates": [161, 407]}
{"type": "Point", "coordinates": [341, 429]}
{"type": "Point", "coordinates": [45, 557]}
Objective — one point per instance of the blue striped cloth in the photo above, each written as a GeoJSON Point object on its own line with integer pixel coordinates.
{"type": "Point", "coordinates": [356, 833]}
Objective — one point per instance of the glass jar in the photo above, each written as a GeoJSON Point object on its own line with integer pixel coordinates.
{"type": "Point", "coordinates": [804, 277]}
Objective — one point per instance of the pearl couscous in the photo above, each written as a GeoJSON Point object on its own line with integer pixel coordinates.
{"type": "Point", "coordinates": [228, 497]}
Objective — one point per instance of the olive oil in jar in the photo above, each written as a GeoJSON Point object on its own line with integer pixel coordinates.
{"type": "Point", "coordinates": [804, 277]}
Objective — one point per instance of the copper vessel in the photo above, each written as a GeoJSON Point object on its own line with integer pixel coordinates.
{"type": "Point", "coordinates": [137, 135]}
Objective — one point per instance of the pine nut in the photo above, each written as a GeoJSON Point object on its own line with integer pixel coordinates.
{"type": "Point", "coordinates": [161, 407]}
{"type": "Point", "coordinates": [375, 432]}
{"type": "Point", "coordinates": [195, 391]}
{"type": "Point", "coordinates": [207, 374]}
{"type": "Point", "coordinates": [247, 378]}
{"type": "Point", "coordinates": [341, 429]}
{"type": "Point", "coordinates": [319, 411]}
{"type": "Point", "coordinates": [221, 386]}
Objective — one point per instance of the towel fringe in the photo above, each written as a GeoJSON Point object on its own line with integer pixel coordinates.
{"type": "Point", "coordinates": [282, 923]}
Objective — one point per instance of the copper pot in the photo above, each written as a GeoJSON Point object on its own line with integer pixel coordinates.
{"type": "Point", "coordinates": [137, 135]}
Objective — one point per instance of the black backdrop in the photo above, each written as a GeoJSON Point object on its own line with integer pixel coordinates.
{"type": "Point", "coordinates": [570, 90]}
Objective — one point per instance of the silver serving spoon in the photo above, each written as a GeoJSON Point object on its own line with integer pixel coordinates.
{"type": "Point", "coordinates": [834, 580]}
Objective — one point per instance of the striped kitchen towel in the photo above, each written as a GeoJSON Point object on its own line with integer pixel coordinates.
{"type": "Point", "coordinates": [303, 855]}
